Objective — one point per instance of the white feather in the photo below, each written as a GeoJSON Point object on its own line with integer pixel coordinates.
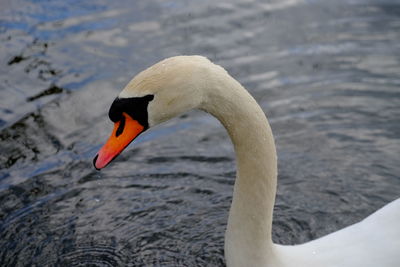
{"type": "Point", "coordinates": [187, 82]}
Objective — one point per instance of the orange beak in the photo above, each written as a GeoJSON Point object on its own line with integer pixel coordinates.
{"type": "Point", "coordinates": [125, 131]}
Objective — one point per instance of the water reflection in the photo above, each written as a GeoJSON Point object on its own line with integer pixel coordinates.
{"type": "Point", "coordinates": [325, 73]}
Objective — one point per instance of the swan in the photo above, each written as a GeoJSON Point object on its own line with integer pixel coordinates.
{"type": "Point", "coordinates": [178, 84]}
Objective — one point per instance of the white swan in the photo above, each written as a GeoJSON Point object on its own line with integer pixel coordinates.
{"type": "Point", "coordinates": [176, 85]}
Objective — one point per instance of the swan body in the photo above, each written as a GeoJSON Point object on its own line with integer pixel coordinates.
{"type": "Point", "coordinates": [178, 84]}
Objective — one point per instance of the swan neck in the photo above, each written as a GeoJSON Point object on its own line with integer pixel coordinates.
{"type": "Point", "coordinates": [248, 236]}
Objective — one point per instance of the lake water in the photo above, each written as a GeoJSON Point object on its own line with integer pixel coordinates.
{"type": "Point", "coordinates": [327, 74]}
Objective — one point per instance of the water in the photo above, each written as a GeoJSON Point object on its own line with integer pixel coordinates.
{"type": "Point", "coordinates": [326, 74]}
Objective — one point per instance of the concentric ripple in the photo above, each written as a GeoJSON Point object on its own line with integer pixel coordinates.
{"type": "Point", "coordinates": [325, 72]}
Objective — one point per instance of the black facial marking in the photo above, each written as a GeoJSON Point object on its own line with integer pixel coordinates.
{"type": "Point", "coordinates": [136, 107]}
{"type": "Point", "coordinates": [120, 127]}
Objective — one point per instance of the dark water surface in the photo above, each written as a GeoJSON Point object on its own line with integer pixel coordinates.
{"type": "Point", "coordinates": [327, 73]}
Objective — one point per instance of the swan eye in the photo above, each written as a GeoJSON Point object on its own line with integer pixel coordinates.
{"type": "Point", "coordinates": [115, 112]}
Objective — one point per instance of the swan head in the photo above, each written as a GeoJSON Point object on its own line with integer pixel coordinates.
{"type": "Point", "coordinates": [157, 94]}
